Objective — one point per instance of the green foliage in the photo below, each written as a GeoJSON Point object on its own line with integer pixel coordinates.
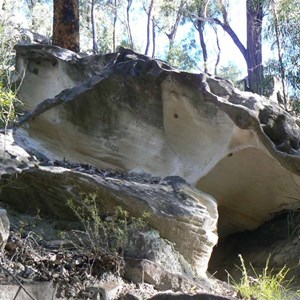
{"type": "Point", "coordinates": [232, 73]}
{"type": "Point", "coordinates": [8, 98]}
{"type": "Point", "coordinates": [269, 285]}
{"type": "Point", "coordinates": [39, 23]}
{"type": "Point", "coordinates": [108, 233]}
{"type": "Point", "coordinates": [287, 22]}
{"type": "Point", "coordinates": [171, 17]}
{"type": "Point", "coordinates": [7, 108]}
{"type": "Point", "coordinates": [295, 104]}
{"type": "Point", "coordinates": [184, 55]}
{"type": "Point", "coordinates": [168, 15]}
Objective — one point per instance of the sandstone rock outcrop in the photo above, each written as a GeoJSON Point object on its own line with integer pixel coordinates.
{"type": "Point", "coordinates": [126, 111]}
{"type": "Point", "coordinates": [189, 149]}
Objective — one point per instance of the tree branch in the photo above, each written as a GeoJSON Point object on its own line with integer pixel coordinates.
{"type": "Point", "coordinates": [227, 28]}
{"type": "Point", "coordinates": [18, 281]}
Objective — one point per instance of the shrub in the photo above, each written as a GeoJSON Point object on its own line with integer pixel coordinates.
{"type": "Point", "coordinates": [102, 233]}
{"type": "Point", "coordinates": [7, 106]}
{"type": "Point", "coordinates": [8, 99]}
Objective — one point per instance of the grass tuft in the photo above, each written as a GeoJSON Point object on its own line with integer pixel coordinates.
{"type": "Point", "coordinates": [269, 285]}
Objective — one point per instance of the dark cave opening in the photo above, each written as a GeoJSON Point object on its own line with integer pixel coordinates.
{"type": "Point", "coordinates": [277, 240]}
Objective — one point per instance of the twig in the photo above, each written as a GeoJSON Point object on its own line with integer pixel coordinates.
{"type": "Point", "coordinates": [18, 292]}
{"type": "Point", "coordinates": [18, 281]}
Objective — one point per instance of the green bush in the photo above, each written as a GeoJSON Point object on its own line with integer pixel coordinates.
{"type": "Point", "coordinates": [8, 99]}
{"type": "Point", "coordinates": [7, 106]}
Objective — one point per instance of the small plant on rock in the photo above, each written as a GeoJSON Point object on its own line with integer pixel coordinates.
{"type": "Point", "coordinates": [102, 233]}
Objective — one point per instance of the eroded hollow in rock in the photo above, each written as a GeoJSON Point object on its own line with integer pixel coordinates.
{"type": "Point", "coordinates": [276, 242]}
{"type": "Point", "coordinates": [250, 186]}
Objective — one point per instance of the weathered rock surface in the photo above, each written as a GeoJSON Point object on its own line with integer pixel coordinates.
{"type": "Point", "coordinates": [4, 228]}
{"type": "Point", "coordinates": [147, 244]}
{"type": "Point", "coordinates": [181, 214]}
{"type": "Point", "coordinates": [37, 291]}
{"type": "Point", "coordinates": [142, 270]}
{"type": "Point", "coordinates": [126, 111]}
{"type": "Point", "coordinates": [50, 291]}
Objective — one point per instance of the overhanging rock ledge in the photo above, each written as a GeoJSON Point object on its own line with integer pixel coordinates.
{"type": "Point", "coordinates": [126, 111]}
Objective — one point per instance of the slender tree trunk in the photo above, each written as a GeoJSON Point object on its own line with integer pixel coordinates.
{"type": "Point", "coordinates": [129, 2]}
{"type": "Point", "coordinates": [219, 50]}
{"type": "Point", "coordinates": [227, 28]}
{"type": "Point", "coordinates": [253, 53]}
{"type": "Point", "coordinates": [66, 24]}
{"type": "Point", "coordinates": [114, 24]}
{"type": "Point", "coordinates": [149, 16]}
{"type": "Point", "coordinates": [94, 32]}
{"type": "Point", "coordinates": [171, 35]}
{"type": "Point", "coordinates": [280, 54]}
{"type": "Point", "coordinates": [153, 38]}
{"type": "Point", "coordinates": [254, 45]}
{"type": "Point", "coordinates": [200, 27]}
{"type": "Point", "coordinates": [30, 7]}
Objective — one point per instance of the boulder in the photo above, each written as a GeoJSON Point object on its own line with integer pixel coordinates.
{"type": "Point", "coordinates": [126, 111]}
{"type": "Point", "coordinates": [147, 244]}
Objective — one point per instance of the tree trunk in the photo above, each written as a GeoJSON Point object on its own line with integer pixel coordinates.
{"type": "Point", "coordinates": [254, 45]}
{"type": "Point", "coordinates": [253, 53]}
{"type": "Point", "coordinates": [200, 27]}
{"type": "Point", "coordinates": [115, 10]}
{"type": "Point", "coordinates": [94, 33]}
{"type": "Point", "coordinates": [219, 50]}
{"type": "Point", "coordinates": [153, 38]}
{"type": "Point", "coordinates": [280, 54]}
{"type": "Point", "coordinates": [171, 35]}
{"type": "Point", "coordinates": [149, 15]}
{"type": "Point", "coordinates": [129, 2]}
{"type": "Point", "coordinates": [66, 24]}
